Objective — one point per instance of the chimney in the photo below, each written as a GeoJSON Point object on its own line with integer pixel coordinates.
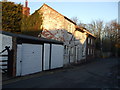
{"type": "Point", "coordinates": [26, 3]}
{"type": "Point", "coordinates": [26, 9]}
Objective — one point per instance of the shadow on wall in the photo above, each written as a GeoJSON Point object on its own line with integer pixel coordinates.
{"type": "Point", "coordinates": [74, 43]}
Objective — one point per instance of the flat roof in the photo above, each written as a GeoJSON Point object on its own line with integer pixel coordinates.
{"type": "Point", "coordinates": [31, 37]}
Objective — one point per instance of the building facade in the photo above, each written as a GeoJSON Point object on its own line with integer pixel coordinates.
{"type": "Point", "coordinates": [58, 27]}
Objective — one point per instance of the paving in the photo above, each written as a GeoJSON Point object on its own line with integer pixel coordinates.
{"type": "Point", "coordinates": [100, 73]}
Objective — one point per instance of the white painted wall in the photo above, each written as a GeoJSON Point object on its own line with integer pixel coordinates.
{"type": "Point", "coordinates": [57, 56]}
{"type": "Point", "coordinates": [46, 56]}
{"type": "Point", "coordinates": [72, 54]}
{"type": "Point", "coordinates": [84, 51]}
{"type": "Point", "coordinates": [5, 41]}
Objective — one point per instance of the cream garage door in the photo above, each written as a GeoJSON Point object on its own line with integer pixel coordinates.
{"type": "Point", "coordinates": [31, 59]}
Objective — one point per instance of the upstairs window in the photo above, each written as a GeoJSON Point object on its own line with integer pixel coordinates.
{"type": "Point", "coordinates": [91, 41]}
{"type": "Point", "coordinates": [88, 40]}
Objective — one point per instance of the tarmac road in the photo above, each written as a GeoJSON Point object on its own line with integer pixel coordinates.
{"type": "Point", "coordinates": [101, 73]}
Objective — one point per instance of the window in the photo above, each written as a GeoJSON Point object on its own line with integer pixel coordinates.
{"type": "Point", "coordinates": [66, 49]}
{"type": "Point", "coordinates": [88, 51]}
{"type": "Point", "coordinates": [72, 51]}
{"type": "Point", "coordinates": [88, 40]}
{"type": "Point", "coordinates": [83, 51]}
{"type": "Point", "coordinates": [91, 41]}
{"type": "Point", "coordinates": [91, 51]}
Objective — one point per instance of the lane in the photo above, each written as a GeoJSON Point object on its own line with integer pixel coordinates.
{"type": "Point", "coordinates": [91, 75]}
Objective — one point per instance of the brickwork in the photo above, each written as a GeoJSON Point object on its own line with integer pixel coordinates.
{"type": "Point", "coordinates": [26, 9]}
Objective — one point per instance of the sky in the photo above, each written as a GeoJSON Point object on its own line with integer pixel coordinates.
{"type": "Point", "coordinates": [84, 11]}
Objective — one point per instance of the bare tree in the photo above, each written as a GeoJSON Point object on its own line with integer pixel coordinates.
{"type": "Point", "coordinates": [107, 34]}
{"type": "Point", "coordinates": [111, 37]}
{"type": "Point", "coordinates": [75, 19]}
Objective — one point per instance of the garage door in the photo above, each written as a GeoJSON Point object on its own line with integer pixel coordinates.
{"type": "Point", "coordinates": [31, 59]}
{"type": "Point", "coordinates": [57, 56]}
{"type": "Point", "coordinates": [46, 56]}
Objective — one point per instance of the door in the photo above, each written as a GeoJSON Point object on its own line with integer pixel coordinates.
{"type": "Point", "coordinates": [72, 55]}
{"type": "Point", "coordinates": [46, 56]}
{"type": "Point", "coordinates": [30, 60]}
{"type": "Point", "coordinates": [76, 53]}
{"type": "Point", "coordinates": [57, 56]}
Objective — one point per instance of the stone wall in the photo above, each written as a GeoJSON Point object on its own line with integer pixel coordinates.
{"type": "Point", "coordinates": [55, 26]}
{"type": "Point", "coordinates": [58, 27]}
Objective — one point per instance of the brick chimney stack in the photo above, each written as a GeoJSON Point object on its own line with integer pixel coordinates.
{"type": "Point", "coordinates": [26, 3]}
{"type": "Point", "coordinates": [26, 9]}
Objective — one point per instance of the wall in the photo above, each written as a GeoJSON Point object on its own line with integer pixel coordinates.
{"type": "Point", "coordinates": [81, 38]}
{"type": "Point", "coordinates": [69, 26]}
{"type": "Point", "coordinates": [5, 41]}
{"type": "Point", "coordinates": [53, 24]}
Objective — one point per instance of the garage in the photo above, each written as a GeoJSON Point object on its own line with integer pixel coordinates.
{"type": "Point", "coordinates": [37, 54]}
{"type": "Point", "coordinates": [31, 55]}
{"type": "Point", "coordinates": [30, 59]}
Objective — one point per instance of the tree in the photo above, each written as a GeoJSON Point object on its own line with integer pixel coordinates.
{"type": "Point", "coordinates": [107, 34]}
{"type": "Point", "coordinates": [11, 16]}
{"type": "Point", "coordinates": [112, 35]}
{"type": "Point", "coordinates": [75, 19]}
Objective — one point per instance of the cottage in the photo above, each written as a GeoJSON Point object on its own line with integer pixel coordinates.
{"type": "Point", "coordinates": [30, 55]}
{"type": "Point", "coordinates": [58, 27]}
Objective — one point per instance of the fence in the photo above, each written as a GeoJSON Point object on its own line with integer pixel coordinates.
{"type": "Point", "coordinates": [5, 61]}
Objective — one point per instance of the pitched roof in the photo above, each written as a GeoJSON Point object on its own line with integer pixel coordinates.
{"type": "Point", "coordinates": [80, 28]}
{"type": "Point", "coordinates": [83, 29]}
{"type": "Point", "coordinates": [58, 13]}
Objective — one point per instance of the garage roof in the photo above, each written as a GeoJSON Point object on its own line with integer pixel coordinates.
{"type": "Point", "coordinates": [21, 36]}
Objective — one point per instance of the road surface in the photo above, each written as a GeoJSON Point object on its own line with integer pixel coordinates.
{"type": "Point", "coordinates": [101, 73]}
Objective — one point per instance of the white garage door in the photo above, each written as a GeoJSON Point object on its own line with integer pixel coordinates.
{"type": "Point", "coordinates": [57, 56]}
{"type": "Point", "coordinates": [46, 56]}
{"type": "Point", "coordinates": [31, 59]}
